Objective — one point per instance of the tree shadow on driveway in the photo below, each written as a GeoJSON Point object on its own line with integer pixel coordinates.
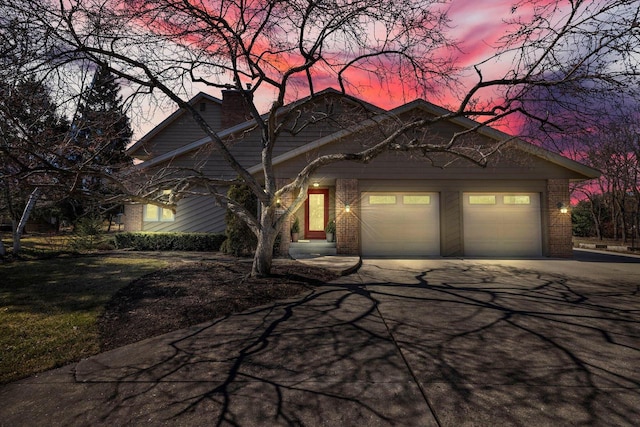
{"type": "Point", "coordinates": [494, 345]}
{"type": "Point", "coordinates": [457, 344]}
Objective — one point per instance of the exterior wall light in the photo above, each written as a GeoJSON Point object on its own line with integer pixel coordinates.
{"type": "Point", "coordinates": [316, 184]}
{"type": "Point", "coordinates": [347, 208]}
{"type": "Point", "coordinates": [563, 208]}
{"type": "Point", "coordinates": [278, 204]}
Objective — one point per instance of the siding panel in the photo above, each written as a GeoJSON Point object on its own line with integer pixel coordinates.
{"type": "Point", "coordinates": [182, 131]}
{"type": "Point", "coordinates": [196, 214]}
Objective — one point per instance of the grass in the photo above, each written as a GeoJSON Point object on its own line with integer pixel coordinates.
{"type": "Point", "coordinates": [49, 308]}
{"type": "Point", "coordinates": [48, 245]}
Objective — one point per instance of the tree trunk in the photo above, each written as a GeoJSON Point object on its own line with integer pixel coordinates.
{"type": "Point", "coordinates": [263, 257]}
{"type": "Point", "coordinates": [19, 229]}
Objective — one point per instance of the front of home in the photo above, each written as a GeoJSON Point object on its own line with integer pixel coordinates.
{"type": "Point", "coordinates": [400, 204]}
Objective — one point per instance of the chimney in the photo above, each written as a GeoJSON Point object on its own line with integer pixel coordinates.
{"type": "Point", "coordinates": [235, 108]}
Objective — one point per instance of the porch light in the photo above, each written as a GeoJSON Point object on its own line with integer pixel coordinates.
{"type": "Point", "coordinates": [278, 203]}
{"type": "Point", "coordinates": [347, 208]}
{"type": "Point", "coordinates": [563, 208]}
{"type": "Point", "coordinates": [316, 184]}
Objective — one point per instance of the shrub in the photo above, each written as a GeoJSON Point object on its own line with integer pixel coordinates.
{"type": "Point", "coordinates": [295, 227]}
{"type": "Point", "coordinates": [331, 227]}
{"type": "Point", "coordinates": [88, 233]}
{"type": "Point", "coordinates": [169, 241]}
{"type": "Point", "coordinates": [240, 239]}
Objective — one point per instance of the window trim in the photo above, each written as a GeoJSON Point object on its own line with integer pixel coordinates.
{"type": "Point", "coordinates": [160, 212]}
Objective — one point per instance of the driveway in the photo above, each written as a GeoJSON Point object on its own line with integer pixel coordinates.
{"type": "Point", "coordinates": [402, 342]}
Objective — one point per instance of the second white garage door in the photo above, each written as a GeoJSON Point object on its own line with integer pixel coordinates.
{"type": "Point", "coordinates": [400, 224]}
{"type": "Point", "coordinates": [501, 224]}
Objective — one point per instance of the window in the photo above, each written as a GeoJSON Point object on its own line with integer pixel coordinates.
{"type": "Point", "coordinates": [382, 200]}
{"type": "Point", "coordinates": [482, 199]}
{"type": "Point", "coordinates": [516, 200]}
{"type": "Point", "coordinates": [153, 213]}
{"type": "Point", "coordinates": [416, 199]}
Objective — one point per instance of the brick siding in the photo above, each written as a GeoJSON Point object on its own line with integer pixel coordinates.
{"type": "Point", "coordinates": [133, 217]}
{"type": "Point", "coordinates": [559, 224]}
{"type": "Point", "coordinates": [347, 224]}
{"type": "Point", "coordinates": [235, 108]}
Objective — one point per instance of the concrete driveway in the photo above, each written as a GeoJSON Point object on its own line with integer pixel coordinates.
{"type": "Point", "coordinates": [410, 343]}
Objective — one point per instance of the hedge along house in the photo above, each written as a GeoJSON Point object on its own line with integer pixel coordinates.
{"type": "Point", "coordinates": [400, 204]}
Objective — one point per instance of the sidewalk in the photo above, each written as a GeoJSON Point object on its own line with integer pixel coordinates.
{"type": "Point", "coordinates": [342, 265]}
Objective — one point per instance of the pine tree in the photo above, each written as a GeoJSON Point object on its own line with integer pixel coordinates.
{"type": "Point", "coordinates": [102, 129]}
{"type": "Point", "coordinates": [102, 126]}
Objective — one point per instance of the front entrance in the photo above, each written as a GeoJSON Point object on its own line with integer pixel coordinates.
{"type": "Point", "coordinates": [316, 214]}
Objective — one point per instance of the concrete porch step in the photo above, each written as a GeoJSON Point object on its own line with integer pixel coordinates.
{"type": "Point", "coordinates": [303, 248]}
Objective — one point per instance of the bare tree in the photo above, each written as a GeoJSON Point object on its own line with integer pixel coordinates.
{"type": "Point", "coordinates": [43, 156]}
{"type": "Point", "coordinates": [290, 48]}
{"type": "Point", "coordinates": [617, 155]}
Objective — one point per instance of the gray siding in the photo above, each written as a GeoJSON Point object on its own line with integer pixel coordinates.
{"type": "Point", "coordinates": [197, 214]}
{"type": "Point", "coordinates": [309, 123]}
{"type": "Point", "coordinates": [459, 185]}
{"type": "Point", "coordinates": [183, 130]}
{"type": "Point", "coordinates": [509, 165]}
{"type": "Point", "coordinates": [247, 150]}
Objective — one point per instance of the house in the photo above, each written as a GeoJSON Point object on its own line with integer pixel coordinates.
{"type": "Point", "coordinates": [400, 204]}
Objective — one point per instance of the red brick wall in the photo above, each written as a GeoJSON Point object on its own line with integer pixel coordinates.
{"type": "Point", "coordinates": [559, 224]}
{"type": "Point", "coordinates": [347, 224]}
{"type": "Point", "coordinates": [235, 109]}
{"type": "Point", "coordinates": [133, 218]}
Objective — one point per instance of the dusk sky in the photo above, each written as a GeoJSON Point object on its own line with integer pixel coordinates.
{"type": "Point", "coordinates": [476, 26]}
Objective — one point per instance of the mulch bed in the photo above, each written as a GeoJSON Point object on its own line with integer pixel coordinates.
{"type": "Point", "coordinates": [188, 293]}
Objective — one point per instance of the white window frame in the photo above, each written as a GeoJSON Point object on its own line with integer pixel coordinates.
{"type": "Point", "coordinates": [161, 215]}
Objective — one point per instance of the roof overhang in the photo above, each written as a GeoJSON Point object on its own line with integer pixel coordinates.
{"type": "Point", "coordinates": [586, 172]}
{"type": "Point", "coordinates": [240, 128]}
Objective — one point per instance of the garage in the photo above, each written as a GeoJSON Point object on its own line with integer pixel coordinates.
{"type": "Point", "coordinates": [502, 224]}
{"type": "Point", "coordinates": [400, 224]}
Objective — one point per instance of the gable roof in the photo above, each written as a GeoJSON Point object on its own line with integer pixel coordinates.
{"type": "Point", "coordinates": [420, 104]}
{"type": "Point", "coordinates": [585, 171]}
{"type": "Point", "coordinates": [241, 127]}
{"type": "Point", "coordinates": [169, 120]}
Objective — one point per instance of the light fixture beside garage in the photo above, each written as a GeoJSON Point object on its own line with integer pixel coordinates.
{"type": "Point", "coordinates": [347, 208]}
{"type": "Point", "coordinates": [563, 208]}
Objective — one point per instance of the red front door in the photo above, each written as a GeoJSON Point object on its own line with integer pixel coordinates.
{"type": "Point", "coordinates": [316, 214]}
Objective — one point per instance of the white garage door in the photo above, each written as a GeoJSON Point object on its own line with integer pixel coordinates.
{"type": "Point", "coordinates": [400, 224]}
{"type": "Point", "coordinates": [501, 224]}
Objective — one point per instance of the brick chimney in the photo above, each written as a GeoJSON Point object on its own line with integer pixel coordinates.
{"type": "Point", "coordinates": [235, 108]}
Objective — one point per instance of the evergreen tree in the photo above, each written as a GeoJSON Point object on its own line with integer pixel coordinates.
{"type": "Point", "coordinates": [241, 241]}
{"type": "Point", "coordinates": [103, 131]}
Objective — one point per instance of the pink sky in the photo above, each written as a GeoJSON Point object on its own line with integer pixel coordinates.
{"type": "Point", "coordinates": [476, 25]}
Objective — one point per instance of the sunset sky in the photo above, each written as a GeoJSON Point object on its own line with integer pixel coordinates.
{"type": "Point", "coordinates": [476, 25]}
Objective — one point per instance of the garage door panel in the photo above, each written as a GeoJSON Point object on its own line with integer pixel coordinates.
{"type": "Point", "coordinates": [501, 227]}
{"type": "Point", "coordinates": [399, 229]}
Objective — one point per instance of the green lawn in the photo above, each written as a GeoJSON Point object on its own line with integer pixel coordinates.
{"type": "Point", "coordinates": [49, 308]}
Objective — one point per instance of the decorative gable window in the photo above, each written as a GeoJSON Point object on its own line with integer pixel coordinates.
{"type": "Point", "coordinates": [153, 213]}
